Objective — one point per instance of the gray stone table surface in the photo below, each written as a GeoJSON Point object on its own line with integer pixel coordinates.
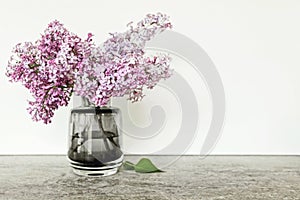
{"type": "Point", "coordinates": [190, 177]}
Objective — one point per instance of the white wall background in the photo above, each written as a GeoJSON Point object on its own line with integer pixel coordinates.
{"type": "Point", "coordinates": [255, 46]}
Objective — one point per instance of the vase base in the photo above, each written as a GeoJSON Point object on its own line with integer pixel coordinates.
{"type": "Point", "coordinates": [103, 170]}
{"type": "Point", "coordinates": [95, 173]}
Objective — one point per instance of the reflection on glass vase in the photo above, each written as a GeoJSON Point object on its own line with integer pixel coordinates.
{"type": "Point", "coordinates": [94, 140]}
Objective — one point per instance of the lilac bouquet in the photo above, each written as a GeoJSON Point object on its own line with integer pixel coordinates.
{"type": "Point", "coordinates": [60, 63]}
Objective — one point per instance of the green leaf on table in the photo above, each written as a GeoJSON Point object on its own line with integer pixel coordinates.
{"type": "Point", "coordinates": [143, 166]}
{"type": "Point", "coordinates": [146, 166]}
{"type": "Point", "coordinates": [128, 165]}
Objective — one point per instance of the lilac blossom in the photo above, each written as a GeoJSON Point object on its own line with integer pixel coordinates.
{"type": "Point", "coordinates": [47, 68]}
{"type": "Point", "coordinates": [119, 67]}
{"type": "Point", "coordinates": [60, 63]}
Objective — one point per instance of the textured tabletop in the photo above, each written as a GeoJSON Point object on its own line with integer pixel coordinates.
{"type": "Point", "coordinates": [190, 177]}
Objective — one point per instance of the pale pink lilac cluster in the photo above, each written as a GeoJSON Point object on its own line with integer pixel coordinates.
{"type": "Point", "coordinates": [120, 67]}
{"type": "Point", "coordinates": [61, 63]}
{"type": "Point", "coordinates": [47, 68]}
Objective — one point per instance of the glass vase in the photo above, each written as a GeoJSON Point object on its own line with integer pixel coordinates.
{"type": "Point", "coordinates": [94, 140]}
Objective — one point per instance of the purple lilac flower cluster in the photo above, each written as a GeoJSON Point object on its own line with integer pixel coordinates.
{"type": "Point", "coordinates": [120, 67]}
{"type": "Point", "coordinates": [47, 68]}
{"type": "Point", "coordinates": [61, 63]}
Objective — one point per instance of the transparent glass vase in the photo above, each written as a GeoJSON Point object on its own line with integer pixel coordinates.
{"type": "Point", "coordinates": [95, 140]}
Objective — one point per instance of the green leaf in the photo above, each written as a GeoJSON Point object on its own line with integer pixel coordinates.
{"type": "Point", "coordinates": [146, 166]}
{"type": "Point", "coordinates": [143, 166]}
{"type": "Point", "coordinates": [128, 165]}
